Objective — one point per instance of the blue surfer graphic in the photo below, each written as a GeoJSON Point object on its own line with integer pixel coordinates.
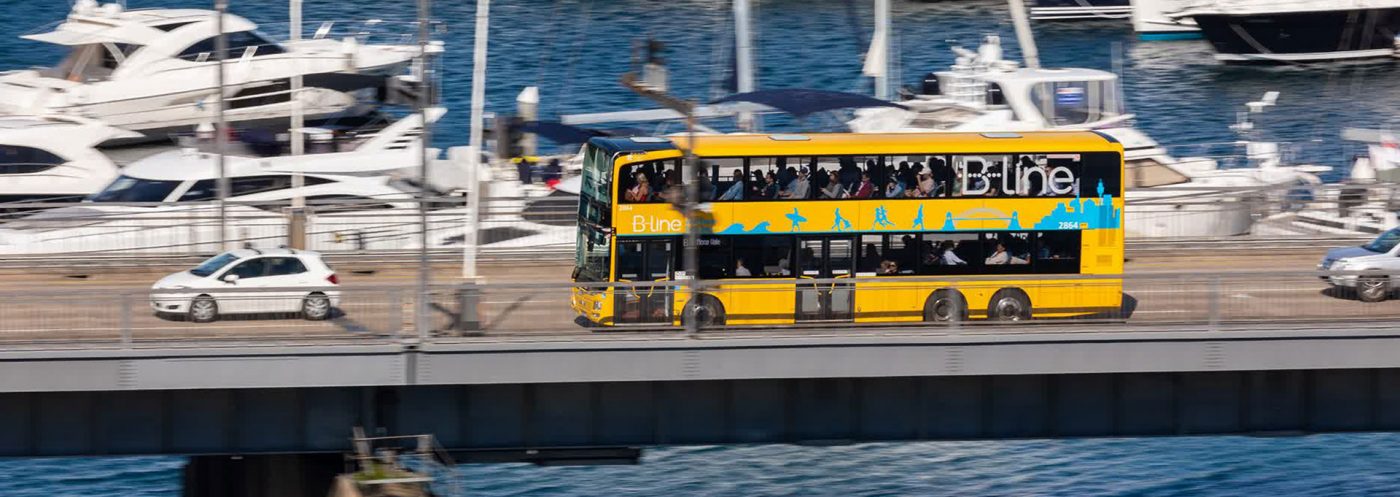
{"type": "Point", "coordinates": [919, 219]}
{"type": "Point", "coordinates": [797, 219]}
{"type": "Point", "coordinates": [841, 224]}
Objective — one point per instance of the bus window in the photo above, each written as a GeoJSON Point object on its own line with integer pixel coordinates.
{"type": "Point", "coordinates": [727, 176]}
{"type": "Point", "coordinates": [982, 176]}
{"type": "Point", "coordinates": [901, 255]}
{"type": "Point", "coordinates": [871, 253]}
{"type": "Point", "coordinates": [763, 256]}
{"type": "Point", "coordinates": [950, 253]}
{"type": "Point", "coordinates": [713, 257]}
{"type": "Point", "coordinates": [629, 261]}
{"type": "Point", "coordinates": [1011, 250]}
{"type": "Point", "coordinates": [653, 181]}
{"type": "Point", "coordinates": [767, 176]}
{"type": "Point", "coordinates": [1057, 252]}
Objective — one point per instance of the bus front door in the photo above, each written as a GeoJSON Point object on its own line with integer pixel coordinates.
{"type": "Point", "coordinates": [825, 261]}
{"type": "Point", "coordinates": [647, 264]}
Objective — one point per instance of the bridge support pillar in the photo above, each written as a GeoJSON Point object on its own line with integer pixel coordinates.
{"type": "Point", "coordinates": [276, 475]}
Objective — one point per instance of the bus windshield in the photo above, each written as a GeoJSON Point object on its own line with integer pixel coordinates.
{"type": "Point", "coordinates": [592, 260]}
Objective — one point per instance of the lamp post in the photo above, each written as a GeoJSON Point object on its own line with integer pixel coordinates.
{"type": "Point", "coordinates": [690, 260]}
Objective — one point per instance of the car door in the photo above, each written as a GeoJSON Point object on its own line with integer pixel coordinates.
{"type": "Point", "coordinates": [284, 272]}
{"type": "Point", "coordinates": [250, 274]}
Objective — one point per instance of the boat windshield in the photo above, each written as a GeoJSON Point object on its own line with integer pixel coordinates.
{"type": "Point", "coordinates": [129, 189]}
{"type": "Point", "coordinates": [1385, 242]}
{"type": "Point", "coordinates": [92, 62]}
{"type": "Point", "coordinates": [1069, 103]}
{"type": "Point", "coordinates": [214, 264]}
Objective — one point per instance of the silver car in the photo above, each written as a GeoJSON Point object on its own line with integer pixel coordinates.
{"type": "Point", "coordinates": [1383, 253]}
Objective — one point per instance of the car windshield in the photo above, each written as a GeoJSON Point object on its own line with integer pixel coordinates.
{"type": "Point", "coordinates": [129, 189]}
{"type": "Point", "coordinates": [1385, 242]}
{"type": "Point", "coordinates": [214, 264]}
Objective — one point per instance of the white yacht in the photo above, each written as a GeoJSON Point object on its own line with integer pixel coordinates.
{"type": "Point", "coordinates": [360, 190]}
{"type": "Point", "coordinates": [154, 70]}
{"type": "Point", "coordinates": [1167, 196]}
{"type": "Point", "coordinates": [1364, 204]}
{"type": "Point", "coordinates": [45, 159]}
{"type": "Point", "coordinates": [1151, 22]}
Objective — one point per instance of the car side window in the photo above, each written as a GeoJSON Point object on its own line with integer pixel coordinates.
{"type": "Point", "coordinates": [281, 266]}
{"type": "Point", "coordinates": [252, 268]}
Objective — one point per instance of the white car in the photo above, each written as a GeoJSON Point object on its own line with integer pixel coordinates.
{"type": "Point", "coordinates": [250, 269]}
{"type": "Point", "coordinates": [1382, 254]}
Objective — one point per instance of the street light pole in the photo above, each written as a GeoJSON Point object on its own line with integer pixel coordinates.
{"type": "Point", "coordinates": [296, 229]}
{"type": "Point", "coordinates": [691, 257]}
{"type": "Point", "coordinates": [425, 140]}
{"type": "Point", "coordinates": [221, 127]}
{"type": "Point", "coordinates": [472, 223]}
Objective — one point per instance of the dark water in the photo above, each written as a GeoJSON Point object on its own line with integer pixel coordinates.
{"type": "Point", "coordinates": [576, 49]}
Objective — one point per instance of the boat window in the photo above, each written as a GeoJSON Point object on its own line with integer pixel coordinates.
{"type": "Point", "coordinates": [26, 160]}
{"type": "Point", "coordinates": [238, 43]}
{"type": "Point", "coordinates": [129, 189]}
{"type": "Point", "coordinates": [1069, 103]}
{"type": "Point", "coordinates": [324, 204]}
{"type": "Point", "coordinates": [173, 26]}
{"type": "Point", "coordinates": [204, 189]}
{"type": "Point", "coordinates": [116, 53]}
{"type": "Point", "coordinates": [249, 185]}
{"type": "Point", "coordinates": [214, 264]}
{"type": "Point", "coordinates": [1148, 173]}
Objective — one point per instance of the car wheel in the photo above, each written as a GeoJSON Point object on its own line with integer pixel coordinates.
{"type": "Point", "coordinates": [1009, 305]}
{"type": "Point", "coordinates": [945, 306]}
{"type": "Point", "coordinates": [1372, 288]}
{"type": "Point", "coordinates": [204, 310]}
{"type": "Point", "coordinates": [316, 307]}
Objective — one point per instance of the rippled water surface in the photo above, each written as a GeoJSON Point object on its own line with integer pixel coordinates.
{"type": "Point", "coordinates": [576, 49]}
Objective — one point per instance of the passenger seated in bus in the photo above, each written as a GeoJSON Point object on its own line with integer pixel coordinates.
{"type": "Point", "coordinates": [770, 187]}
{"type": "Point", "coordinates": [799, 188]}
{"type": "Point", "coordinates": [895, 188]}
{"type": "Point", "coordinates": [833, 189]}
{"type": "Point", "coordinates": [739, 269]}
{"type": "Point", "coordinates": [670, 188]}
{"type": "Point", "coordinates": [755, 186]}
{"type": "Point", "coordinates": [942, 176]}
{"type": "Point", "coordinates": [736, 190]}
{"type": "Point", "coordinates": [950, 255]}
{"type": "Point", "coordinates": [926, 185]}
{"type": "Point", "coordinates": [866, 188]}
{"type": "Point", "coordinates": [641, 192]}
{"type": "Point", "coordinates": [888, 267]}
{"type": "Point", "coordinates": [1002, 257]}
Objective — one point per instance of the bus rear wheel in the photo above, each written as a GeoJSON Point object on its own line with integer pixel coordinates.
{"type": "Point", "coordinates": [707, 311]}
{"type": "Point", "coordinates": [945, 306]}
{"type": "Point", "coordinates": [1009, 304]}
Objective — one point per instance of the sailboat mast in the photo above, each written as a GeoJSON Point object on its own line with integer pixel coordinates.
{"type": "Point", "coordinates": [743, 58]}
{"type": "Point", "coordinates": [1024, 37]}
{"type": "Point", "coordinates": [880, 50]}
{"type": "Point", "coordinates": [473, 218]}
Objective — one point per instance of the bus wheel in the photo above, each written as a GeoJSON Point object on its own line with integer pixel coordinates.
{"type": "Point", "coordinates": [707, 310]}
{"type": "Point", "coordinates": [945, 306]}
{"type": "Point", "coordinates": [1009, 304]}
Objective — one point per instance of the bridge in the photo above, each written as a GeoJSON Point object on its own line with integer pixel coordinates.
{"type": "Point", "coordinates": [1211, 340]}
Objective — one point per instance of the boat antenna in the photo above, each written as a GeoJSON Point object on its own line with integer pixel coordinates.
{"type": "Point", "coordinates": [1024, 36]}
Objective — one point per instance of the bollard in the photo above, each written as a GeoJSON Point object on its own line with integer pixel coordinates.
{"type": "Point", "coordinates": [468, 316]}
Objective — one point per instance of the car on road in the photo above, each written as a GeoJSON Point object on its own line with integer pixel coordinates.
{"type": "Point", "coordinates": [1381, 254]}
{"type": "Point", "coordinates": [231, 283]}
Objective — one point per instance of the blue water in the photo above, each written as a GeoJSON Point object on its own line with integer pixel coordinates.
{"type": "Point", "coordinates": [576, 49]}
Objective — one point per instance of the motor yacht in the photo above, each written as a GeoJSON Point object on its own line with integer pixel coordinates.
{"type": "Point", "coordinates": [983, 92]}
{"type": "Point", "coordinates": [155, 70]}
{"type": "Point", "coordinates": [1151, 23]}
{"type": "Point", "coordinates": [1363, 204]}
{"type": "Point", "coordinates": [1243, 31]}
{"type": "Point", "coordinates": [46, 159]}
{"type": "Point", "coordinates": [361, 191]}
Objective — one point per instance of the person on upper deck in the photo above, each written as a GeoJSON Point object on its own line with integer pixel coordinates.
{"type": "Point", "coordinates": [866, 188]}
{"type": "Point", "coordinates": [800, 187]}
{"type": "Point", "coordinates": [736, 190]}
{"type": "Point", "coordinates": [833, 188]}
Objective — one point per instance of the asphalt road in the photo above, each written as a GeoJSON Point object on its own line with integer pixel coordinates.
{"type": "Point", "coordinates": [95, 306]}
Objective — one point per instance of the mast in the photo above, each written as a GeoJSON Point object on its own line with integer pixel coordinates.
{"type": "Point", "coordinates": [743, 58]}
{"type": "Point", "coordinates": [296, 229]}
{"type": "Point", "coordinates": [1024, 36]}
{"type": "Point", "coordinates": [877, 58]}
{"type": "Point", "coordinates": [220, 126]}
{"type": "Point", "coordinates": [473, 218]}
{"type": "Point", "coordinates": [424, 141]}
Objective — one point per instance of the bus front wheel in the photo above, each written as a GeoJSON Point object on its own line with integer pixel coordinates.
{"type": "Point", "coordinates": [945, 306]}
{"type": "Point", "coordinates": [706, 309]}
{"type": "Point", "coordinates": [1009, 304]}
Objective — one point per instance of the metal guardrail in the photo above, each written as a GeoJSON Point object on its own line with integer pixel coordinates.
{"type": "Point", "coordinates": [68, 318]}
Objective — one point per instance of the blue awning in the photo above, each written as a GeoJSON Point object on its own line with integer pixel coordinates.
{"type": "Point", "coordinates": [801, 102]}
{"type": "Point", "coordinates": [560, 133]}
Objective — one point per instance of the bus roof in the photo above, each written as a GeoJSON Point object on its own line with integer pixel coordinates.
{"type": "Point", "coordinates": [867, 143]}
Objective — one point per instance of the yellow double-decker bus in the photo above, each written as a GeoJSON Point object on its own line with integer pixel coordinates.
{"type": "Point", "coordinates": [853, 228]}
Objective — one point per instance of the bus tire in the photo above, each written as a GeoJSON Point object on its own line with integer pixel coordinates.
{"type": "Point", "coordinates": [707, 309]}
{"type": "Point", "coordinates": [1009, 304]}
{"type": "Point", "coordinates": [945, 306]}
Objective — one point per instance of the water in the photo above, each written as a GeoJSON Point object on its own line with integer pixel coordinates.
{"type": "Point", "coordinates": [576, 49]}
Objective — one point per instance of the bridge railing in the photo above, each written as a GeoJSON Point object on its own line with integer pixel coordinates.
{"type": "Point", "coordinates": [135, 317]}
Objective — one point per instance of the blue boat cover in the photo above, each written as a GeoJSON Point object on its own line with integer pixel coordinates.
{"type": "Point", "coordinates": [801, 102]}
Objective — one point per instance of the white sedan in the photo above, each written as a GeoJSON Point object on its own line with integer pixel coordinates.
{"type": "Point", "coordinates": [308, 282]}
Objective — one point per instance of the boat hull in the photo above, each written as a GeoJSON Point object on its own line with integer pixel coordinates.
{"type": "Point", "coordinates": [1068, 10]}
{"type": "Point", "coordinates": [1301, 36]}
